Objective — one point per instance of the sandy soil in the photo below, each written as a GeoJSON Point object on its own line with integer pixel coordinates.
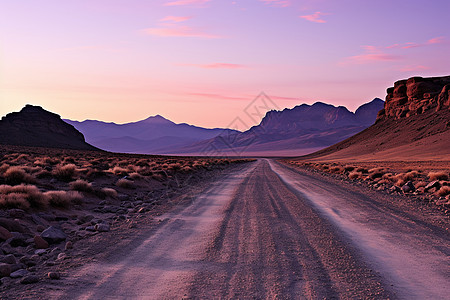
{"type": "Point", "coordinates": [269, 231]}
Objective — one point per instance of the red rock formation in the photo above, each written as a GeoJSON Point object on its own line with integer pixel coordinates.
{"type": "Point", "coordinates": [416, 96]}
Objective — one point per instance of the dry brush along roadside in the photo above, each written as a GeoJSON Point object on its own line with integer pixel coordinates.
{"type": "Point", "coordinates": [428, 182]}
{"type": "Point", "coordinates": [52, 199]}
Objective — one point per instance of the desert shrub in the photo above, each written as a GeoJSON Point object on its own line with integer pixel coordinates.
{"type": "Point", "coordinates": [65, 172]}
{"type": "Point", "coordinates": [43, 174]}
{"type": "Point", "coordinates": [336, 169]}
{"type": "Point", "coordinates": [388, 176]}
{"type": "Point", "coordinates": [349, 168]}
{"type": "Point", "coordinates": [174, 167]}
{"type": "Point", "coordinates": [81, 186]}
{"type": "Point", "coordinates": [16, 175]}
{"type": "Point", "coordinates": [362, 170]}
{"type": "Point", "coordinates": [14, 200]}
{"type": "Point", "coordinates": [142, 163]}
{"type": "Point", "coordinates": [443, 191]}
{"type": "Point", "coordinates": [135, 176]}
{"type": "Point", "coordinates": [354, 175]}
{"type": "Point", "coordinates": [420, 184]}
{"type": "Point", "coordinates": [94, 173]}
{"type": "Point", "coordinates": [186, 169]}
{"type": "Point", "coordinates": [410, 175]}
{"type": "Point", "coordinates": [30, 193]}
{"type": "Point", "coordinates": [438, 176]}
{"type": "Point", "coordinates": [63, 199]}
{"type": "Point", "coordinates": [3, 168]}
{"type": "Point", "coordinates": [376, 174]}
{"type": "Point", "coordinates": [158, 176]}
{"type": "Point", "coordinates": [69, 160]}
{"type": "Point", "coordinates": [119, 171]}
{"type": "Point", "coordinates": [125, 183]}
{"type": "Point", "coordinates": [145, 171]}
{"type": "Point", "coordinates": [109, 192]}
{"type": "Point", "coordinates": [51, 161]}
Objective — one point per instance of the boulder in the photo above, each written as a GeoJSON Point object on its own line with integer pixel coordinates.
{"type": "Point", "coordinates": [5, 270]}
{"type": "Point", "coordinates": [8, 259]}
{"type": "Point", "coordinates": [434, 184]}
{"type": "Point", "coordinates": [4, 234]}
{"type": "Point", "coordinates": [19, 273]}
{"type": "Point", "coordinates": [54, 275]}
{"type": "Point", "coordinates": [12, 225]}
{"type": "Point", "coordinates": [40, 243]}
{"type": "Point", "coordinates": [29, 279]}
{"type": "Point", "coordinates": [53, 235]}
{"type": "Point", "coordinates": [408, 187]}
{"type": "Point", "coordinates": [102, 227]}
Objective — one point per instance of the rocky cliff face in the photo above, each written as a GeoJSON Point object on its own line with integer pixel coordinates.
{"type": "Point", "coordinates": [35, 127]}
{"type": "Point", "coordinates": [415, 96]}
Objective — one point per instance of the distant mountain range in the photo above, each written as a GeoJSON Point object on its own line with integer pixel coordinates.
{"type": "Point", "coordinates": [33, 126]}
{"type": "Point", "coordinates": [154, 135]}
{"type": "Point", "coordinates": [300, 130]}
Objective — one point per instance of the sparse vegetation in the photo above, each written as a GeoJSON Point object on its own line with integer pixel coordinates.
{"type": "Point", "coordinates": [81, 186]}
{"type": "Point", "coordinates": [438, 176]}
{"type": "Point", "coordinates": [65, 172]}
{"type": "Point", "coordinates": [16, 175]}
{"type": "Point", "coordinates": [125, 183]}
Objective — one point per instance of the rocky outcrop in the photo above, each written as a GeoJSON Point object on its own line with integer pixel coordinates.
{"type": "Point", "coordinates": [415, 96]}
{"type": "Point", "coordinates": [35, 127]}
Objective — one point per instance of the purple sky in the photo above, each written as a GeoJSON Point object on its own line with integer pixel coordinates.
{"type": "Point", "coordinates": [203, 61]}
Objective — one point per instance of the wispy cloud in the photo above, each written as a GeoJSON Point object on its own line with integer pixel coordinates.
{"type": "Point", "coordinates": [414, 68]}
{"type": "Point", "coordinates": [186, 2]}
{"type": "Point", "coordinates": [216, 66]}
{"type": "Point", "coordinates": [315, 17]}
{"type": "Point", "coordinates": [169, 27]}
{"type": "Point", "coordinates": [279, 3]}
{"type": "Point", "coordinates": [175, 19]}
{"type": "Point", "coordinates": [371, 54]}
{"type": "Point", "coordinates": [217, 96]}
{"type": "Point", "coordinates": [433, 41]}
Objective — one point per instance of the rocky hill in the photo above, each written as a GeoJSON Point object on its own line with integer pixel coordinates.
{"type": "Point", "coordinates": [414, 125]}
{"type": "Point", "coordinates": [35, 127]}
{"type": "Point", "coordinates": [416, 96]}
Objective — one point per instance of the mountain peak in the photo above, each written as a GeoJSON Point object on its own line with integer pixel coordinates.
{"type": "Point", "coordinates": [157, 119]}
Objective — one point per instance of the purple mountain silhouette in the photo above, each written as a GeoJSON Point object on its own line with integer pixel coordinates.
{"type": "Point", "coordinates": [300, 130]}
{"type": "Point", "coordinates": [154, 135]}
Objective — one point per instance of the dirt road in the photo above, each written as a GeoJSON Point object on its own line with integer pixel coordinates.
{"type": "Point", "coordinates": [272, 232]}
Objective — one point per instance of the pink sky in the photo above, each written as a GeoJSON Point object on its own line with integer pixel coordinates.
{"type": "Point", "coordinates": [203, 61]}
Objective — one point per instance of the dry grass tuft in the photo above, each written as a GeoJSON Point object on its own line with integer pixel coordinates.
{"type": "Point", "coordinates": [136, 176]}
{"type": "Point", "coordinates": [30, 193]}
{"type": "Point", "coordinates": [438, 176]}
{"type": "Point", "coordinates": [65, 172]}
{"type": "Point", "coordinates": [14, 200]}
{"type": "Point", "coordinates": [81, 186]}
{"type": "Point", "coordinates": [355, 175]}
{"type": "Point", "coordinates": [125, 183]}
{"type": "Point", "coordinates": [63, 199]}
{"type": "Point", "coordinates": [443, 191]}
{"type": "Point", "coordinates": [109, 192]}
{"type": "Point", "coordinates": [16, 175]}
{"type": "Point", "coordinates": [119, 171]}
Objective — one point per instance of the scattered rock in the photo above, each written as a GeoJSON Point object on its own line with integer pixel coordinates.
{"type": "Point", "coordinates": [17, 240]}
{"type": "Point", "coordinates": [395, 189]}
{"type": "Point", "coordinates": [102, 227]}
{"type": "Point", "coordinates": [16, 213]}
{"type": "Point", "coordinates": [9, 259]}
{"type": "Point", "coordinates": [40, 228]}
{"type": "Point", "coordinates": [408, 187]}
{"type": "Point", "coordinates": [12, 225]}
{"type": "Point", "coordinates": [19, 273]}
{"type": "Point", "coordinates": [90, 228]}
{"type": "Point", "coordinates": [4, 234]}
{"type": "Point", "coordinates": [54, 275]}
{"type": "Point", "coordinates": [433, 184]}
{"type": "Point", "coordinates": [68, 246]}
{"type": "Point", "coordinates": [40, 251]}
{"type": "Point", "coordinates": [5, 270]}
{"type": "Point", "coordinates": [29, 279]}
{"type": "Point", "coordinates": [53, 235]}
{"type": "Point", "coordinates": [40, 243]}
{"type": "Point", "coordinates": [61, 256]}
